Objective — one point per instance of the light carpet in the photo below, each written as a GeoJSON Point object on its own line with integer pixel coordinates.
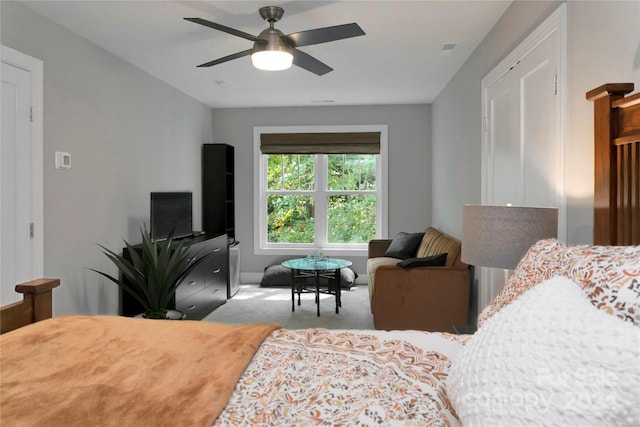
{"type": "Point", "coordinates": [253, 304]}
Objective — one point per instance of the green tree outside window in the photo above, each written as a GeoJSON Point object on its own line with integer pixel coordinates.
{"type": "Point", "coordinates": [350, 198]}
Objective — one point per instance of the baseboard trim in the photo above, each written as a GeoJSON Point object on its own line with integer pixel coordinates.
{"type": "Point", "coordinates": [251, 277]}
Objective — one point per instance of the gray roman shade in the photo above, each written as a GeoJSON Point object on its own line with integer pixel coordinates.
{"type": "Point", "coordinates": [320, 143]}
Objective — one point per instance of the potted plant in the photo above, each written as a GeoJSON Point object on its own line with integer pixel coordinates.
{"type": "Point", "coordinates": [154, 271]}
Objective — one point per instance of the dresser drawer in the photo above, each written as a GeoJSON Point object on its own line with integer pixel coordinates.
{"type": "Point", "coordinates": [193, 283]}
{"type": "Point", "coordinates": [193, 307]}
{"type": "Point", "coordinates": [217, 261]}
{"type": "Point", "coordinates": [217, 250]}
{"type": "Point", "coordinates": [198, 305]}
{"type": "Point", "coordinates": [216, 273]}
{"type": "Point", "coordinates": [196, 280]}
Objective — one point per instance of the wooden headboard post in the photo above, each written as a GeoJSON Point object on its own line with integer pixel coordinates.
{"type": "Point", "coordinates": [616, 216]}
{"type": "Point", "coordinates": [35, 306]}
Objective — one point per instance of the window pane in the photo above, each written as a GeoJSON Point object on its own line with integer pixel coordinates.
{"type": "Point", "coordinates": [290, 219]}
{"type": "Point", "coordinates": [335, 165]}
{"type": "Point", "coordinates": [307, 171]}
{"type": "Point", "coordinates": [351, 219]}
{"type": "Point", "coordinates": [351, 172]}
{"type": "Point", "coordinates": [290, 172]}
{"type": "Point", "coordinates": [274, 172]}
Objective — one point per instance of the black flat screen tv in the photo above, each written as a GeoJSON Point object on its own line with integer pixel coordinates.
{"type": "Point", "coordinates": [171, 211]}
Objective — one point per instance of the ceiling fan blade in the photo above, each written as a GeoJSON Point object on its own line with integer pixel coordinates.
{"type": "Point", "coordinates": [309, 63]}
{"type": "Point", "coordinates": [224, 28]}
{"type": "Point", "coordinates": [226, 58]}
{"type": "Point", "coordinates": [326, 34]}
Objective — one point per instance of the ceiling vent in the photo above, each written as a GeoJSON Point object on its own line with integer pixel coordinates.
{"type": "Point", "coordinates": [447, 48]}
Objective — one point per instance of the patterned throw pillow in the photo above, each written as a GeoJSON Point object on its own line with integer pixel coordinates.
{"type": "Point", "coordinates": [549, 359]}
{"type": "Point", "coordinates": [542, 261]}
{"type": "Point", "coordinates": [610, 276]}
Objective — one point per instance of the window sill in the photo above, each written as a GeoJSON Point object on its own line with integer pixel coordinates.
{"type": "Point", "coordinates": [333, 252]}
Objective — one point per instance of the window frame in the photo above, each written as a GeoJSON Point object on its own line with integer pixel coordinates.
{"type": "Point", "coordinates": [261, 246]}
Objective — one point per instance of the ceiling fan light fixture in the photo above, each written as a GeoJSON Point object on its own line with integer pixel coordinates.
{"type": "Point", "coordinates": [271, 52]}
{"type": "Point", "coordinates": [272, 60]}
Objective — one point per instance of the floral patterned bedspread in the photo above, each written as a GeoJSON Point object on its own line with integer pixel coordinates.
{"type": "Point", "coordinates": [320, 377]}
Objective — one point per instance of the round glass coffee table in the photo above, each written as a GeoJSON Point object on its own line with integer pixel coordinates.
{"type": "Point", "coordinates": [328, 268]}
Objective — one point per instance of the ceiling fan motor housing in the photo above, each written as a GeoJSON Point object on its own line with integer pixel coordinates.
{"type": "Point", "coordinates": [271, 13]}
{"type": "Point", "coordinates": [272, 39]}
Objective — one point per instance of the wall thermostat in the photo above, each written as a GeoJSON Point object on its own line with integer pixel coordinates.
{"type": "Point", "coordinates": [63, 160]}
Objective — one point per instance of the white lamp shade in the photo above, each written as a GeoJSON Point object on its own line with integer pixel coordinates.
{"type": "Point", "coordinates": [499, 236]}
{"type": "Point", "coordinates": [271, 60]}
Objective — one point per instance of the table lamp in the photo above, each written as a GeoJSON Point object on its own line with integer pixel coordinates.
{"type": "Point", "coordinates": [499, 236]}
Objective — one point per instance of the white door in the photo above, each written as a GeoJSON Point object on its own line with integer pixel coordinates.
{"type": "Point", "coordinates": [504, 168]}
{"type": "Point", "coordinates": [20, 173]}
{"type": "Point", "coordinates": [523, 142]}
{"type": "Point", "coordinates": [524, 132]}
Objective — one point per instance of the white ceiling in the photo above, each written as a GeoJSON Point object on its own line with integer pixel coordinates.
{"type": "Point", "coordinates": [399, 60]}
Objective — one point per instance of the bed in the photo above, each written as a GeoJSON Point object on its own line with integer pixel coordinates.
{"type": "Point", "coordinates": [559, 345]}
{"type": "Point", "coordinates": [617, 164]}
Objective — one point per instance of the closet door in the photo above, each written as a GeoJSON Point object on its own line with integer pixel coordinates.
{"type": "Point", "coordinates": [503, 171]}
{"type": "Point", "coordinates": [21, 169]}
{"type": "Point", "coordinates": [523, 141]}
{"type": "Point", "coordinates": [525, 147]}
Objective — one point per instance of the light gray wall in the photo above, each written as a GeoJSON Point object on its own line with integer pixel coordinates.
{"type": "Point", "coordinates": [409, 165]}
{"type": "Point", "coordinates": [128, 134]}
{"type": "Point", "coordinates": [456, 116]}
{"type": "Point", "coordinates": [603, 46]}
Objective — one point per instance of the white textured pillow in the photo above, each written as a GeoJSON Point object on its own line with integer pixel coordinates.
{"type": "Point", "coordinates": [550, 358]}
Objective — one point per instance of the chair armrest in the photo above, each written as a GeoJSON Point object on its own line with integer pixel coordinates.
{"type": "Point", "coordinates": [377, 247]}
{"type": "Point", "coordinates": [423, 298]}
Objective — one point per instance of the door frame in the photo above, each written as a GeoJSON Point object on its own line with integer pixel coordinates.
{"type": "Point", "coordinates": [36, 69]}
{"type": "Point", "coordinates": [556, 22]}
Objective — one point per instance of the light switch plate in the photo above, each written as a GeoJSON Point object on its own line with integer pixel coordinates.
{"type": "Point", "coordinates": [63, 160]}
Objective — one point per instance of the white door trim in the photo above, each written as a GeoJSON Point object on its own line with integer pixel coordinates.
{"type": "Point", "coordinates": [35, 67]}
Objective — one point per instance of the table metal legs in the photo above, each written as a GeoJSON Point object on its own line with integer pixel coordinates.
{"type": "Point", "coordinates": [336, 280]}
{"type": "Point", "coordinates": [318, 292]}
{"type": "Point", "coordinates": [293, 291]}
{"type": "Point", "coordinates": [338, 290]}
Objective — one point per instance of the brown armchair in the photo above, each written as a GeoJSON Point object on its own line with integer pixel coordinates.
{"type": "Point", "coordinates": [423, 298]}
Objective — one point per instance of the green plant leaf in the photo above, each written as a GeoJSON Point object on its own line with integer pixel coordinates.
{"type": "Point", "coordinates": [153, 271]}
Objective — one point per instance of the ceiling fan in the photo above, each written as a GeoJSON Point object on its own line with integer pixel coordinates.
{"type": "Point", "coordinates": [272, 50]}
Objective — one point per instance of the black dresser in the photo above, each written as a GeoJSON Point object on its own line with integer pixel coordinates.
{"type": "Point", "coordinates": [203, 290]}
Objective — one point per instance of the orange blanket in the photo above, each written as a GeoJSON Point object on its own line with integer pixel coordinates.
{"type": "Point", "coordinates": [117, 371]}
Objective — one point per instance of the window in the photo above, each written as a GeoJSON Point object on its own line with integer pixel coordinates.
{"type": "Point", "coordinates": [310, 200]}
